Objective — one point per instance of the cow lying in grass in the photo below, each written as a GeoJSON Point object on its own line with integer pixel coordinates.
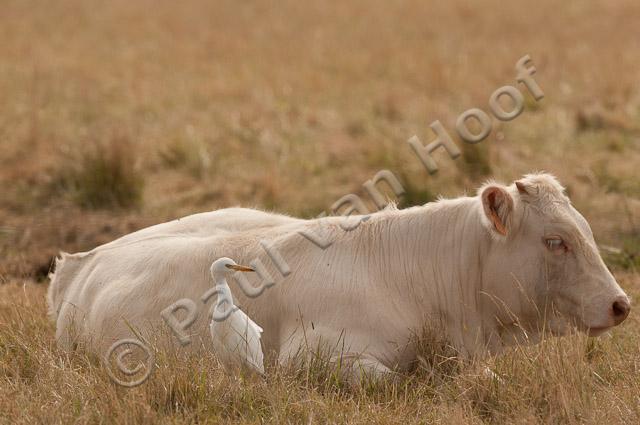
{"type": "Point", "coordinates": [488, 271]}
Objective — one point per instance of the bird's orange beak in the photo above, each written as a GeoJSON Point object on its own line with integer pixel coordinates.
{"type": "Point", "coordinates": [239, 268]}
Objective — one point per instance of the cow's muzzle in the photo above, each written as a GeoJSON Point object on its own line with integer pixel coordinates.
{"type": "Point", "coordinates": [620, 309]}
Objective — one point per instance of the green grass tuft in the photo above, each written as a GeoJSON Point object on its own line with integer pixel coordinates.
{"type": "Point", "coordinates": [103, 177]}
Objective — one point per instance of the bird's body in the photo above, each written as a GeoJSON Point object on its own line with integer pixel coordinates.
{"type": "Point", "coordinates": [235, 337]}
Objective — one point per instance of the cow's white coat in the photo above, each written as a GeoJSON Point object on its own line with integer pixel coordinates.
{"type": "Point", "coordinates": [478, 269]}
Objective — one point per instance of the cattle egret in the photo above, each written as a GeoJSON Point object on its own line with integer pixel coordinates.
{"type": "Point", "coordinates": [236, 338]}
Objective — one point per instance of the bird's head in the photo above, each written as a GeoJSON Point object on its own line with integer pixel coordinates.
{"type": "Point", "coordinates": [227, 265]}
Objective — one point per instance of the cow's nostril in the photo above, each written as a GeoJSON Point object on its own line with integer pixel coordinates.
{"type": "Point", "coordinates": [621, 309]}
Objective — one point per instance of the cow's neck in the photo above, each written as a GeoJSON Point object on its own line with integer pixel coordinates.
{"type": "Point", "coordinates": [435, 254]}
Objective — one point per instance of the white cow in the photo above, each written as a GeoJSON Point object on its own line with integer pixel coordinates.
{"type": "Point", "coordinates": [487, 271]}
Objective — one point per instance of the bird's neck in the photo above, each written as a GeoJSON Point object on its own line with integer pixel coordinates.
{"type": "Point", "coordinates": [223, 290]}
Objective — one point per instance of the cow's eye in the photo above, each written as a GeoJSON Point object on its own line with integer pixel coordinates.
{"type": "Point", "coordinates": [555, 244]}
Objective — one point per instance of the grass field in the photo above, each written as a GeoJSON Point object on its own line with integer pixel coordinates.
{"type": "Point", "coordinates": [117, 115]}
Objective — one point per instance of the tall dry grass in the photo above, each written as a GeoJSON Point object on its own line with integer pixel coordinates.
{"type": "Point", "coordinates": [563, 380]}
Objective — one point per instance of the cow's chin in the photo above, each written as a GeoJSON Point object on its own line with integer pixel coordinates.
{"type": "Point", "coordinates": [597, 331]}
{"type": "Point", "coordinates": [592, 330]}
{"type": "Point", "coordinates": [561, 326]}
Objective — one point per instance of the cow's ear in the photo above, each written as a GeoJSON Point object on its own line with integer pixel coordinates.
{"type": "Point", "coordinates": [497, 205]}
{"type": "Point", "coordinates": [522, 188]}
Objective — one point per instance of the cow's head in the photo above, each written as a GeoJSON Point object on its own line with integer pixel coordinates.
{"type": "Point", "coordinates": [543, 269]}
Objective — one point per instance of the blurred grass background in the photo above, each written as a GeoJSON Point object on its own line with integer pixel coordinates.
{"type": "Point", "coordinates": [117, 115]}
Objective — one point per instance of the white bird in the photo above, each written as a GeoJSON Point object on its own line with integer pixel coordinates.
{"type": "Point", "coordinates": [236, 338]}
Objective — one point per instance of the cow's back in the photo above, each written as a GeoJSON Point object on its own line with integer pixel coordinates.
{"type": "Point", "coordinates": [207, 224]}
{"type": "Point", "coordinates": [137, 263]}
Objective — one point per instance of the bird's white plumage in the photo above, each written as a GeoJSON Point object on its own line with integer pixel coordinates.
{"type": "Point", "coordinates": [235, 337]}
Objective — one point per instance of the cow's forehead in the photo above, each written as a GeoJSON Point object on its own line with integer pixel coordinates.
{"type": "Point", "coordinates": [563, 213]}
{"type": "Point", "coordinates": [581, 222]}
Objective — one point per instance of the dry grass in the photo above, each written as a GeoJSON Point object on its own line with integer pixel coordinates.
{"type": "Point", "coordinates": [150, 110]}
{"type": "Point", "coordinates": [103, 176]}
{"type": "Point", "coordinates": [570, 380]}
